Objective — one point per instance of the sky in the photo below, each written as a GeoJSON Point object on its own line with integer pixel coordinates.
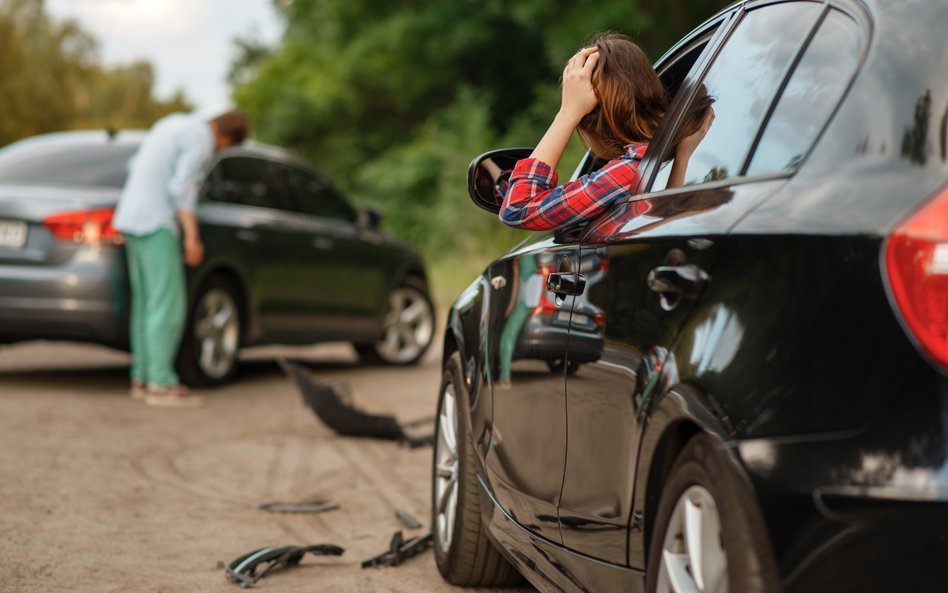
{"type": "Point", "coordinates": [188, 42]}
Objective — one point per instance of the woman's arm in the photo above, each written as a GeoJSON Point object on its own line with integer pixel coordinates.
{"type": "Point", "coordinates": [579, 98]}
{"type": "Point", "coordinates": [685, 149]}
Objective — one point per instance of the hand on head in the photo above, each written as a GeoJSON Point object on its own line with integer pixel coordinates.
{"type": "Point", "coordinates": [579, 95]}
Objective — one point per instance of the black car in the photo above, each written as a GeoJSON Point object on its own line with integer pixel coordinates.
{"type": "Point", "coordinates": [287, 258]}
{"type": "Point", "coordinates": [769, 409]}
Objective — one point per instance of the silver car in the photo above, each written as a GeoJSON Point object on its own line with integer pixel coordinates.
{"type": "Point", "coordinates": [288, 259]}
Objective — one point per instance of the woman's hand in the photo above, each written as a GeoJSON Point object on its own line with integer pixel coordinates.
{"type": "Point", "coordinates": [688, 144]}
{"type": "Point", "coordinates": [579, 96]}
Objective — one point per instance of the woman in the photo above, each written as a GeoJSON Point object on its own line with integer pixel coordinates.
{"type": "Point", "coordinates": [614, 98]}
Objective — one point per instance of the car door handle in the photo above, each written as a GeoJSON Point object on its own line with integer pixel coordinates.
{"type": "Point", "coordinates": [323, 243]}
{"type": "Point", "coordinates": [686, 280]}
{"type": "Point", "coordinates": [247, 235]}
{"type": "Point", "coordinates": [566, 284]}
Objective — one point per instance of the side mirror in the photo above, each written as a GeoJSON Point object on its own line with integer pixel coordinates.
{"type": "Point", "coordinates": [369, 218]}
{"type": "Point", "coordinates": [484, 172]}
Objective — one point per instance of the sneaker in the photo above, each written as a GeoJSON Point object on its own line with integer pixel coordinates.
{"type": "Point", "coordinates": [173, 396]}
{"type": "Point", "coordinates": [137, 390]}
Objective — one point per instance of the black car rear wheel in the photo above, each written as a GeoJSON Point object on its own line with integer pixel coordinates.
{"type": "Point", "coordinates": [462, 551]}
{"type": "Point", "coordinates": [708, 536]}
{"type": "Point", "coordinates": [210, 347]}
{"type": "Point", "coordinates": [408, 326]}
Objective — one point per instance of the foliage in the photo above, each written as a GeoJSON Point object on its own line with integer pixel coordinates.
{"type": "Point", "coordinates": [51, 78]}
{"type": "Point", "coordinates": [394, 99]}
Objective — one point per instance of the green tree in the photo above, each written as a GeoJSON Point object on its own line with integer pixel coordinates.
{"type": "Point", "coordinates": [51, 78]}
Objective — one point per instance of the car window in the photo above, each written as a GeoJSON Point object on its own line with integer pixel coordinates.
{"type": "Point", "coordinates": [743, 79]}
{"type": "Point", "coordinates": [245, 180]}
{"type": "Point", "coordinates": [811, 95]}
{"type": "Point", "coordinates": [311, 195]}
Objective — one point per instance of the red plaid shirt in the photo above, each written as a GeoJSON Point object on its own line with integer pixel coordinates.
{"type": "Point", "coordinates": [534, 202]}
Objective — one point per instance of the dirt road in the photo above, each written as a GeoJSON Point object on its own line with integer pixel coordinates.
{"type": "Point", "coordinates": [102, 493]}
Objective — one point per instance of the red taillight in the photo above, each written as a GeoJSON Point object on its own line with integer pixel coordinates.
{"type": "Point", "coordinates": [84, 226]}
{"type": "Point", "coordinates": [916, 261]}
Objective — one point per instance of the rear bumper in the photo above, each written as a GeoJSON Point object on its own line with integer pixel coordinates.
{"type": "Point", "coordinates": [540, 339]}
{"type": "Point", "coordinates": [84, 299]}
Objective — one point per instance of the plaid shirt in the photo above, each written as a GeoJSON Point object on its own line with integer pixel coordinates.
{"type": "Point", "coordinates": [534, 202]}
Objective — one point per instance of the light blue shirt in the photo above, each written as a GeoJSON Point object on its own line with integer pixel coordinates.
{"type": "Point", "coordinates": [165, 174]}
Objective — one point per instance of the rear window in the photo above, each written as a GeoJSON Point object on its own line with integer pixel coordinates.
{"type": "Point", "coordinates": [68, 164]}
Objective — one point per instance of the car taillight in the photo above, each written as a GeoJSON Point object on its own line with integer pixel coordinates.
{"type": "Point", "coordinates": [92, 227]}
{"type": "Point", "coordinates": [916, 261]}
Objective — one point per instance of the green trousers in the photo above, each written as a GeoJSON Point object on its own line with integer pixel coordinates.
{"type": "Point", "coordinates": [156, 274]}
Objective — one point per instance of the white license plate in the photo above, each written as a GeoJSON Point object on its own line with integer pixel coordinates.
{"type": "Point", "coordinates": [12, 234]}
{"type": "Point", "coordinates": [577, 318]}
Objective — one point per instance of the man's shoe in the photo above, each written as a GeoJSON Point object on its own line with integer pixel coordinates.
{"type": "Point", "coordinates": [137, 390]}
{"type": "Point", "coordinates": [173, 396]}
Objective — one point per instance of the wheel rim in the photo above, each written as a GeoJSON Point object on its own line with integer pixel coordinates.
{"type": "Point", "coordinates": [693, 557]}
{"type": "Point", "coordinates": [409, 326]}
{"type": "Point", "coordinates": [446, 469]}
{"type": "Point", "coordinates": [217, 332]}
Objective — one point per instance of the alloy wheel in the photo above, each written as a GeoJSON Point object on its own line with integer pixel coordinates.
{"type": "Point", "coordinates": [447, 467]}
{"type": "Point", "coordinates": [409, 326]}
{"type": "Point", "coordinates": [693, 556]}
{"type": "Point", "coordinates": [217, 332]}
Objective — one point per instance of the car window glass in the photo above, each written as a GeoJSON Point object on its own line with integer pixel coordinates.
{"type": "Point", "coordinates": [811, 95]}
{"type": "Point", "coordinates": [743, 80]}
{"type": "Point", "coordinates": [245, 180]}
{"type": "Point", "coordinates": [314, 196]}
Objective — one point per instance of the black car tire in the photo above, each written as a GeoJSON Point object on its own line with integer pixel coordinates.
{"type": "Point", "coordinates": [704, 475]}
{"type": "Point", "coordinates": [411, 292]}
{"type": "Point", "coordinates": [217, 295]}
{"type": "Point", "coordinates": [468, 558]}
{"type": "Point", "coordinates": [558, 364]}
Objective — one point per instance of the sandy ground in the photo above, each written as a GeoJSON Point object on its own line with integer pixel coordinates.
{"type": "Point", "coordinates": [99, 492]}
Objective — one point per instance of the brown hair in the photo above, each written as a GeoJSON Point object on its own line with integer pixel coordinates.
{"type": "Point", "coordinates": [232, 124]}
{"type": "Point", "coordinates": [632, 99]}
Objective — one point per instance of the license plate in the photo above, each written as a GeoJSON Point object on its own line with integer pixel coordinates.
{"type": "Point", "coordinates": [577, 318]}
{"type": "Point", "coordinates": [12, 234]}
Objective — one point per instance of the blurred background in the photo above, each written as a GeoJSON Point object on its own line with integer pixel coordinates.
{"type": "Point", "coordinates": [390, 99]}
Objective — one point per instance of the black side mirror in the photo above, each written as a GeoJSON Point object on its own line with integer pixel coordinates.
{"type": "Point", "coordinates": [484, 172]}
{"type": "Point", "coordinates": [369, 218]}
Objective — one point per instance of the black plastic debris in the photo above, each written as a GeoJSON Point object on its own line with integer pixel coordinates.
{"type": "Point", "coordinates": [243, 570]}
{"type": "Point", "coordinates": [400, 550]}
{"type": "Point", "coordinates": [306, 507]}
{"type": "Point", "coordinates": [407, 520]}
{"type": "Point", "coordinates": [344, 418]}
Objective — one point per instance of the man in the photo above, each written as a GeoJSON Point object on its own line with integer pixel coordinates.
{"type": "Point", "coordinates": [156, 214]}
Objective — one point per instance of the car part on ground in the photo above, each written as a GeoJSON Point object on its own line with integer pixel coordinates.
{"type": "Point", "coordinates": [310, 507]}
{"type": "Point", "coordinates": [243, 569]}
{"type": "Point", "coordinates": [407, 519]}
{"type": "Point", "coordinates": [408, 327]}
{"type": "Point", "coordinates": [342, 417]}
{"type": "Point", "coordinates": [400, 550]}
{"type": "Point", "coordinates": [209, 352]}
{"type": "Point", "coordinates": [463, 553]}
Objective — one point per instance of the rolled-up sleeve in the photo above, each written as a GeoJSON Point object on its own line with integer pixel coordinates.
{"type": "Point", "coordinates": [188, 172]}
{"type": "Point", "coordinates": [534, 202]}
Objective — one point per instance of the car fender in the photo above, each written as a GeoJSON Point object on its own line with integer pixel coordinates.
{"type": "Point", "coordinates": [672, 418]}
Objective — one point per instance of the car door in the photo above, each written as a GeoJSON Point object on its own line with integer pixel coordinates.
{"type": "Point", "coordinates": [246, 219]}
{"type": "Point", "coordinates": [343, 267]}
{"type": "Point", "coordinates": [527, 329]}
{"type": "Point", "coordinates": [657, 254]}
